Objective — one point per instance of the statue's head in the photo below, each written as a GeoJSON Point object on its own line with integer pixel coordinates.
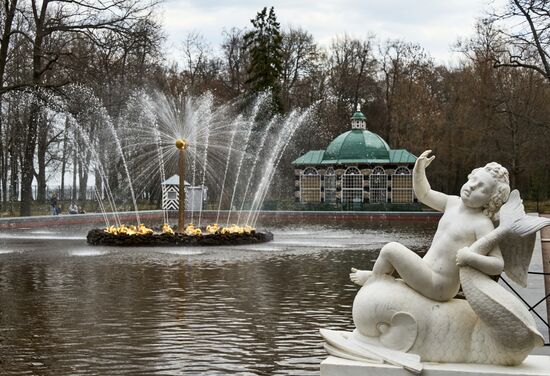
{"type": "Point", "coordinates": [487, 188]}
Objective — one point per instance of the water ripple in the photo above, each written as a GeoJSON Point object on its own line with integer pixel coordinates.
{"type": "Point", "coordinates": [243, 310]}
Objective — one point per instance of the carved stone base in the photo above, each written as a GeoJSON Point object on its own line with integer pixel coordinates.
{"type": "Point", "coordinates": [534, 365]}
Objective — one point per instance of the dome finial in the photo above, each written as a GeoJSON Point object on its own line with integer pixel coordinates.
{"type": "Point", "coordinates": [358, 120]}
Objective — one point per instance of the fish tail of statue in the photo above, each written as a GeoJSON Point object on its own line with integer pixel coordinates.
{"type": "Point", "coordinates": [501, 311]}
{"type": "Point", "coordinates": [181, 206]}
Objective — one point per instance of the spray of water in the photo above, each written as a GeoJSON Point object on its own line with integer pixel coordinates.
{"type": "Point", "coordinates": [208, 123]}
{"type": "Point", "coordinates": [293, 122]}
{"type": "Point", "coordinates": [249, 123]}
{"type": "Point", "coordinates": [235, 125]}
{"type": "Point", "coordinates": [270, 164]}
{"type": "Point", "coordinates": [161, 165]}
{"type": "Point", "coordinates": [99, 166]}
{"type": "Point", "coordinates": [224, 152]}
{"type": "Point", "coordinates": [119, 147]}
{"type": "Point", "coordinates": [255, 163]}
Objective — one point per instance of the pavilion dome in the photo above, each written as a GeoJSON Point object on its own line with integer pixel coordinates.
{"type": "Point", "coordinates": [356, 145]}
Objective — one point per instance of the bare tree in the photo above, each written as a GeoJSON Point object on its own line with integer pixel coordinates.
{"type": "Point", "coordinates": [300, 58]}
{"type": "Point", "coordinates": [236, 61]}
{"type": "Point", "coordinates": [195, 51]}
{"type": "Point", "coordinates": [525, 26]}
{"type": "Point", "coordinates": [352, 73]}
{"type": "Point", "coordinates": [56, 24]}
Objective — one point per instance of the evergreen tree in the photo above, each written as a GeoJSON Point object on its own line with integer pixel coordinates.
{"type": "Point", "coordinates": [264, 44]}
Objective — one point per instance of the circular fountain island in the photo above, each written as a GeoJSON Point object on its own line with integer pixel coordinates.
{"type": "Point", "coordinates": [184, 235]}
{"type": "Point", "coordinates": [212, 235]}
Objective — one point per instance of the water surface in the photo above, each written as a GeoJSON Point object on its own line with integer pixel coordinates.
{"type": "Point", "coordinates": [67, 308]}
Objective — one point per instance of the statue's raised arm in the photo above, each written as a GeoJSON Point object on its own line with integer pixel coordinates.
{"type": "Point", "coordinates": [421, 186]}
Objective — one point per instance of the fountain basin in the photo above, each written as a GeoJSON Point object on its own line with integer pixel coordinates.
{"type": "Point", "coordinates": [100, 237]}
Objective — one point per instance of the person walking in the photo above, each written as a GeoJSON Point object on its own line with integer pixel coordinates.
{"type": "Point", "coordinates": [53, 204]}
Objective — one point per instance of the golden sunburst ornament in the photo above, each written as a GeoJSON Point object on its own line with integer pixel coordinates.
{"type": "Point", "coordinates": [181, 144]}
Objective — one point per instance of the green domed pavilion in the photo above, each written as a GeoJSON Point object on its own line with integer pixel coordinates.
{"type": "Point", "coordinates": [357, 167]}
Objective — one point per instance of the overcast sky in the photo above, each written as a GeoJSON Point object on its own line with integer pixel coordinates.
{"type": "Point", "coordinates": [434, 24]}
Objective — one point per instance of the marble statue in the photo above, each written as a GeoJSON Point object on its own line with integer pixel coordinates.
{"type": "Point", "coordinates": [415, 319]}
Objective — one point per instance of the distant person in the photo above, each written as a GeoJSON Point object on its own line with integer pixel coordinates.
{"type": "Point", "coordinates": [53, 204]}
{"type": "Point", "coordinates": [81, 210]}
{"type": "Point", "coordinates": [73, 209]}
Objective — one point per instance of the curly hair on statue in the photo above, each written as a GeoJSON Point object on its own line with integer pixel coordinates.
{"type": "Point", "coordinates": [502, 189]}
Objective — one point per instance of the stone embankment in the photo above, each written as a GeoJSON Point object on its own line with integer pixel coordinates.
{"type": "Point", "coordinates": [156, 217]}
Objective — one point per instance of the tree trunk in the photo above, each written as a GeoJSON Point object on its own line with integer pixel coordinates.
{"type": "Point", "coordinates": [75, 167]}
{"type": "Point", "coordinates": [27, 165]}
{"type": "Point", "coordinates": [64, 160]}
{"type": "Point", "coordinates": [5, 40]}
{"type": "Point", "coordinates": [4, 46]}
{"type": "Point", "coordinates": [41, 160]}
{"type": "Point", "coordinates": [3, 166]}
{"type": "Point", "coordinates": [515, 157]}
{"type": "Point", "coordinates": [14, 177]}
{"type": "Point", "coordinates": [82, 180]}
{"type": "Point", "coordinates": [98, 184]}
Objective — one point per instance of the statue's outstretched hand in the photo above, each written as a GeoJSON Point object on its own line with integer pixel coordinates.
{"type": "Point", "coordinates": [423, 161]}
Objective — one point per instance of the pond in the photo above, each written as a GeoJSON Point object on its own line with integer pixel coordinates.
{"type": "Point", "coordinates": [67, 308]}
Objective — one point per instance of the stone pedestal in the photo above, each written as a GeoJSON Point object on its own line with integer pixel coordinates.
{"type": "Point", "coordinates": [534, 365]}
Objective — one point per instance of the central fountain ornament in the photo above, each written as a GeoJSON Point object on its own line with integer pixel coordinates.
{"type": "Point", "coordinates": [181, 145]}
{"type": "Point", "coordinates": [417, 318]}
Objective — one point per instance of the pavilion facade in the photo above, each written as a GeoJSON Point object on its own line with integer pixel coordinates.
{"type": "Point", "coordinates": [358, 167]}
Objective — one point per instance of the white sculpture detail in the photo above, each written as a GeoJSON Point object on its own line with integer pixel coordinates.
{"type": "Point", "coordinates": [415, 318]}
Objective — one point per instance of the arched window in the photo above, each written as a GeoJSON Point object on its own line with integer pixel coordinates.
{"type": "Point", "coordinates": [330, 186]}
{"type": "Point", "coordinates": [401, 185]}
{"type": "Point", "coordinates": [378, 185]}
{"type": "Point", "coordinates": [310, 186]}
{"type": "Point", "coordinates": [352, 186]}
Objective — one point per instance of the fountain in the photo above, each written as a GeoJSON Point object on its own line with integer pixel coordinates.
{"type": "Point", "coordinates": [200, 131]}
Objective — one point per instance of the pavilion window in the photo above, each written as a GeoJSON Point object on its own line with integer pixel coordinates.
{"type": "Point", "coordinates": [378, 185]}
{"type": "Point", "coordinates": [310, 186]}
{"type": "Point", "coordinates": [330, 186]}
{"type": "Point", "coordinates": [352, 186]}
{"type": "Point", "coordinates": [402, 189]}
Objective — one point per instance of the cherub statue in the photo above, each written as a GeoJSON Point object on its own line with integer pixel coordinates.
{"type": "Point", "coordinates": [403, 321]}
{"type": "Point", "coordinates": [465, 219]}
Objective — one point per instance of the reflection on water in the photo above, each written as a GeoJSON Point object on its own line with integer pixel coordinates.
{"type": "Point", "coordinates": [87, 252]}
{"type": "Point", "coordinates": [180, 251]}
{"type": "Point", "coordinates": [250, 310]}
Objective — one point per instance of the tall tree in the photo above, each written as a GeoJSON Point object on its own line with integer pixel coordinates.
{"type": "Point", "coordinates": [352, 74]}
{"type": "Point", "coordinates": [7, 15]}
{"type": "Point", "coordinates": [406, 71]}
{"type": "Point", "coordinates": [300, 57]}
{"type": "Point", "coordinates": [235, 61]}
{"type": "Point", "coordinates": [264, 43]}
